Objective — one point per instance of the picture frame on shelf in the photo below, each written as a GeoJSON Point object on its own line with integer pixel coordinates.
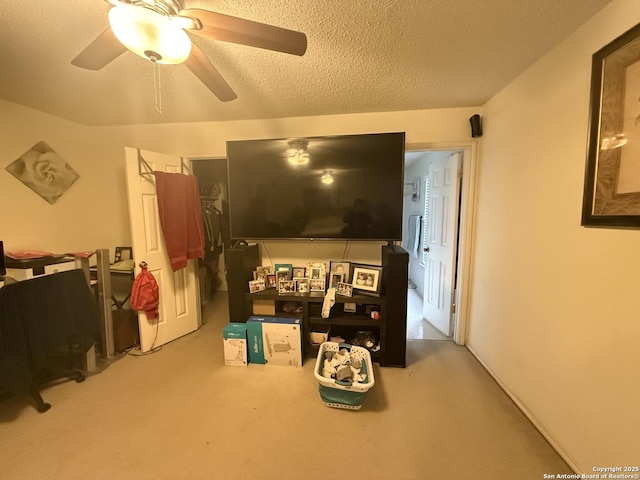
{"type": "Point", "coordinates": [344, 289]}
{"type": "Point", "coordinates": [286, 287]}
{"type": "Point", "coordinates": [281, 275]}
{"type": "Point", "coordinates": [611, 195]}
{"type": "Point", "coordinates": [316, 273]}
{"type": "Point", "coordinates": [341, 267]}
{"type": "Point", "coordinates": [260, 275]}
{"type": "Point", "coordinates": [335, 278]}
{"type": "Point", "coordinates": [283, 266]}
{"type": "Point", "coordinates": [298, 272]}
{"type": "Point", "coordinates": [271, 280]}
{"type": "Point", "coordinates": [264, 268]}
{"type": "Point", "coordinates": [366, 279]}
{"type": "Point", "coordinates": [316, 285]}
{"type": "Point", "coordinates": [302, 285]}
{"type": "Point", "coordinates": [321, 265]}
{"type": "Point", "coordinates": [256, 286]}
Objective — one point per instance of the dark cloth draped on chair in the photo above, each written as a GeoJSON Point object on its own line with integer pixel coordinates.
{"type": "Point", "coordinates": [37, 317]}
{"type": "Point", "coordinates": [180, 214]}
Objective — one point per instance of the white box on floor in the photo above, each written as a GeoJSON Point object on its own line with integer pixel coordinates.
{"type": "Point", "coordinates": [281, 340]}
{"type": "Point", "coordinates": [235, 344]}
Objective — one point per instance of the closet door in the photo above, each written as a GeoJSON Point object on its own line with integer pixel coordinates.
{"type": "Point", "coordinates": [179, 310]}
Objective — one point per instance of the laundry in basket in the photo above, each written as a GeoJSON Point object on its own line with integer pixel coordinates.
{"type": "Point", "coordinates": [342, 389]}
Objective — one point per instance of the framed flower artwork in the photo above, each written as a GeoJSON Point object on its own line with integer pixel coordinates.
{"type": "Point", "coordinates": [44, 171]}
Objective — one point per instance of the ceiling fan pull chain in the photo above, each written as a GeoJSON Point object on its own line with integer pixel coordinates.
{"type": "Point", "coordinates": [157, 89]}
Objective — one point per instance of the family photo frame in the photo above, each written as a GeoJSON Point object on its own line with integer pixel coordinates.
{"type": "Point", "coordinates": [341, 267]}
{"type": "Point", "coordinates": [344, 289]}
{"type": "Point", "coordinates": [298, 272]}
{"type": "Point", "coordinates": [366, 279]}
{"type": "Point", "coordinates": [256, 286]}
{"type": "Point", "coordinates": [611, 195]}
{"type": "Point", "coordinates": [335, 278]}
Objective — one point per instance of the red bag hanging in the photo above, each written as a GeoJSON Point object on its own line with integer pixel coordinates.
{"type": "Point", "coordinates": [145, 295]}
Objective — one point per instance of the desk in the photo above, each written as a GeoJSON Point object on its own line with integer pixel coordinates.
{"type": "Point", "coordinates": [33, 267]}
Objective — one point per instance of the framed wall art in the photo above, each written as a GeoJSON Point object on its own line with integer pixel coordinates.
{"type": "Point", "coordinates": [612, 177]}
{"type": "Point", "coordinates": [44, 171]}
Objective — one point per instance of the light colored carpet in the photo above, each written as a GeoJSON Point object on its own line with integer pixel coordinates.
{"type": "Point", "coordinates": [181, 414]}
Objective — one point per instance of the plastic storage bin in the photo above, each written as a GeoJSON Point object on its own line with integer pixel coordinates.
{"type": "Point", "coordinates": [339, 394]}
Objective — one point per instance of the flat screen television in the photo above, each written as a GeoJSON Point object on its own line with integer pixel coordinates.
{"type": "Point", "coordinates": [344, 187]}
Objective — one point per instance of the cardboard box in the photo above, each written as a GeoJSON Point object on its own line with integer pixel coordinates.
{"type": "Point", "coordinates": [234, 336]}
{"type": "Point", "coordinates": [275, 341]}
{"type": "Point", "coordinates": [264, 307]}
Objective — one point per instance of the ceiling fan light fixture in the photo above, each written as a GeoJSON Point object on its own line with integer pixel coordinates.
{"type": "Point", "coordinates": [149, 34]}
{"type": "Point", "coordinates": [297, 152]}
{"type": "Point", "coordinates": [327, 178]}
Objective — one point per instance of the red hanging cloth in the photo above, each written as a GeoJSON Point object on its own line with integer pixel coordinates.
{"type": "Point", "coordinates": [180, 214]}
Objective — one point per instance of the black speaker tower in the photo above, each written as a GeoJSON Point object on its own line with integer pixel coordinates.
{"type": "Point", "coordinates": [395, 278]}
{"type": "Point", "coordinates": [241, 262]}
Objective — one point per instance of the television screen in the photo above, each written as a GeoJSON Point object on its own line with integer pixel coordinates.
{"type": "Point", "coordinates": [346, 187]}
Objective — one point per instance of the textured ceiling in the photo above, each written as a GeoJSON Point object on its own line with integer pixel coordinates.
{"type": "Point", "coordinates": [362, 56]}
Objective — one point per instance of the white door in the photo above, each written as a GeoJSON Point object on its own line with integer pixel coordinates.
{"type": "Point", "coordinates": [179, 309]}
{"type": "Point", "coordinates": [440, 264]}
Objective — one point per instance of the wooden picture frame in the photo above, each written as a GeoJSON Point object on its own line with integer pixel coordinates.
{"type": "Point", "coordinates": [611, 195]}
{"type": "Point", "coordinates": [298, 272]}
{"type": "Point", "coordinates": [366, 279]}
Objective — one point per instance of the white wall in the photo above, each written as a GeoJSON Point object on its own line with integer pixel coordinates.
{"type": "Point", "coordinates": [554, 310]}
{"type": "Point", "coordinates": [93, 213]}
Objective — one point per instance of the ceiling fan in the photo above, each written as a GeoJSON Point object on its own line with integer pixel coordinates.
{"type": "Point", "coordinates": [156, 30]}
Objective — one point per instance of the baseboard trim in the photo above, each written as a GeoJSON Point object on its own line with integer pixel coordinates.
{"type": "Point", "coordinates": [532, 418]}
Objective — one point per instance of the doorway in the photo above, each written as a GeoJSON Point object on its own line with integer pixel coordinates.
{"type": "Point", "coordinates": [417, 179]}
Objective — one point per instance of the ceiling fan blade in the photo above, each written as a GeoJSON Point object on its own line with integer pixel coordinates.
{"type": "Point", "coordinates": [202, 68]}
{"type": "Point", "coordinates": [217, 26]}
{"type": "Point", "coordinates": [100, 52]}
